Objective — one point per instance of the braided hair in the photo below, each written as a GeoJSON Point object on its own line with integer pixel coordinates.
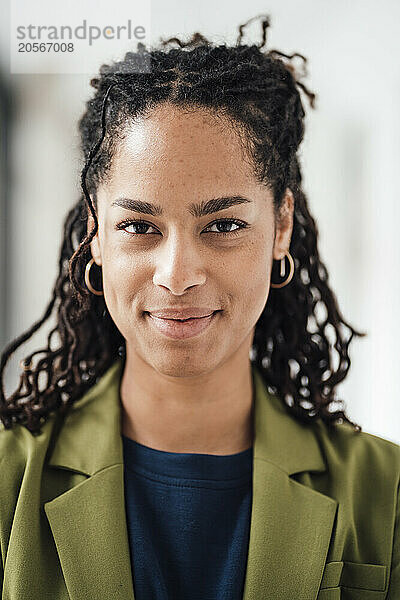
{"type": "Point", "coordinates": [300, 333]}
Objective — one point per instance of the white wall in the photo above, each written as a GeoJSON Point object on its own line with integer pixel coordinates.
{"type": "Point", "coordinates": [350, 158]}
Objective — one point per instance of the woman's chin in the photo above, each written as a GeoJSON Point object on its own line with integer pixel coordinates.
{"type": "Point", "coordinates": [186, 367]}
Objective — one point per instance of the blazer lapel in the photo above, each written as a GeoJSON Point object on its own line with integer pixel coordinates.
{"type": "Point", "coordinates": [88, 521]}
{"type": "Point", "coordinates": [291, 524]}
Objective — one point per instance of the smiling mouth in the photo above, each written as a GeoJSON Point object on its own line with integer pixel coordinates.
{"type": "Point", "coordinates": [180, 319]}
{"type": "Point", "coordinates": [181, 328]}
{"type": "Point", "coordinates": [188, 319]}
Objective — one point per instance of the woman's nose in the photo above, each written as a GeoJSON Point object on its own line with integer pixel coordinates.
{"type": "Point", "coordinates": [178, 266]}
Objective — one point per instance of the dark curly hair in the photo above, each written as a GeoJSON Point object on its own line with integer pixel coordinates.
{"type": "Point", "coordinates": [300, 333]}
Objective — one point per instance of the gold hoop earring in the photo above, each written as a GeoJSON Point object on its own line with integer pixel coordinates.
{"type": "Point", "coordinates": [282, 271]}
{"type": "Point", "coordinates": [87, 280]}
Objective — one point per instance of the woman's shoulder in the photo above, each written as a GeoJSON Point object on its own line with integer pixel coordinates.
{"type": "Point", "coordinates": [18, 447]}
{"type": "Point", "coordinates": [22, 460]}
{"type": "Point", "coordinates": [13, 447]}
{"type": "Point", "coordinates": [14, 453]}
{"type": "Point", "coordinates": [343, 438]}
{"type": "Point", "coordinates": [364, 454]}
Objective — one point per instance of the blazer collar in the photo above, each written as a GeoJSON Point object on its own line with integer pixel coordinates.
{"type": "Point", "coordinates": [287, 517]}
{"type": "Point", "coordinates": [90, 439]}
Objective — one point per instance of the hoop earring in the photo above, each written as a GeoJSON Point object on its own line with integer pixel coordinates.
{"type": "Point", "coordinates": [282, 271]}
{"type": "Point", "coordinates": [87, 280]}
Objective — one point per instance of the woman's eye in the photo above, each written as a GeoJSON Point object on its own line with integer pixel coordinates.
{"type": "Point", "coordinates": [226, 225]}
{"type": "Point", "coordinates": [223, 227]}
{"type": "Point", "coordinates": [141, 226]}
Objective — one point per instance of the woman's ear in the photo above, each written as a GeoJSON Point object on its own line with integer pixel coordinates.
{"type": "Point", "coordinates": [94, 244]}
{"type": "Point", "coordinates": [284, 226]}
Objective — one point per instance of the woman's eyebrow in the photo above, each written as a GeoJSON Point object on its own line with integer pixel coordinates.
{"type": "Point", "coordinates": [196, 209]}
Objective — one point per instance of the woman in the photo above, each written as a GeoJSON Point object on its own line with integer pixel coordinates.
{"type": "Point", "coordinates": [184, 444]}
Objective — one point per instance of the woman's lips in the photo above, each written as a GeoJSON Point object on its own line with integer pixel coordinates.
{"type": "Point", "coordinates": [176, 329]}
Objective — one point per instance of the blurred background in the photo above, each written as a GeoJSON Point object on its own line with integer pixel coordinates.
{"type": "Point", "coordinates": [350, 161]}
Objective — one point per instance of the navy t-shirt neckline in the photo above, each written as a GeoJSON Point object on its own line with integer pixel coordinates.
{"type": "Point", "coordinates": [231, 468]}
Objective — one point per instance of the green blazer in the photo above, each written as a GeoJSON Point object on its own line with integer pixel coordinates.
{"type": "Point", "coordinates": [324, 521]}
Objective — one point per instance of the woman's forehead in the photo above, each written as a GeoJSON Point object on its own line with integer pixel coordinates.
{"type": "Point", "coordinates": [172, 140]}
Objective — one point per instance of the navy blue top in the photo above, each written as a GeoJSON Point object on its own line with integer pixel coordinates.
{"type": "Point", "coordinates": [188, 519]}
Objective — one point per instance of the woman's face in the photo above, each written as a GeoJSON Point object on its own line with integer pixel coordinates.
{"type": "Point", "coordinates": [169, 166]}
